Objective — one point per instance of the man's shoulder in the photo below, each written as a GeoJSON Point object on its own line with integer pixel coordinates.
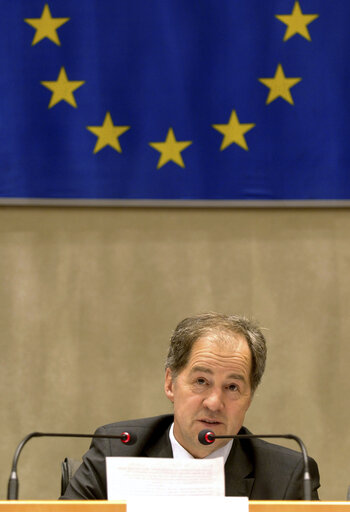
{"type": "Point", "coordinates": [150, 433]}
{"type": "Point", "coordinates": [273, 453]}
{"type": "Point", "coordinates": [151, 423]}
{"type": "Point", "coordinates": [269, 448]}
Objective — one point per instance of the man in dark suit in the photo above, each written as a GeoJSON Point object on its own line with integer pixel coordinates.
{"type": "Point", "coordinates": [215, 363]}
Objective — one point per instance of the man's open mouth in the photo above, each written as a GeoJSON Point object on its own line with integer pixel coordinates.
{"type": "Point", "coordinates": [210, 422]}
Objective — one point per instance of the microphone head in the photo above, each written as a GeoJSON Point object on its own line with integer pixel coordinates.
{"type": "Point", "coordinates": [128, 438]}
{"type": "Point", "coordinates": [206, 437]}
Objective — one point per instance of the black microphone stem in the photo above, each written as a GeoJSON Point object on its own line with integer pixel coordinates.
{"type": "Point", "coordinates": [12, 489]}
{"type": "Point", "coordinates": [307, 479]}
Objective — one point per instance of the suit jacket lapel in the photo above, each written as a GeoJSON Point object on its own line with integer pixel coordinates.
{"type": "Point", "coordinates": [160, 448]}
{"type": "Point", "coordinates": [238, 472]}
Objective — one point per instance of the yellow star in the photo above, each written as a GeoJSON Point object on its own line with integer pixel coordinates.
{"type": "Point", "coordinates": [233, 132]}
{"type": "Point", "coordinates": [279, 86]}
{"type": "Point", "coordinates": [296, 22]}
{"type": "Point", "coordinates": [107, 134]}
{"type": "Point", "coordinates": [62, 89]}
{"type": "Point", "coordinates": [170, 149]}
{"type": "Point", "coordinates": [46, 26]}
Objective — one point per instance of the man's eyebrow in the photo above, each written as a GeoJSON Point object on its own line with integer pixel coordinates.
{"type": "Point", "coordinates": [236, 376]}
{"type": "Point", "coordinates": [203, 369]}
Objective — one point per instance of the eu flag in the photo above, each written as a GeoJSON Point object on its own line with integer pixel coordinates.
{"type": "Point", "coordinates": [175, 100]}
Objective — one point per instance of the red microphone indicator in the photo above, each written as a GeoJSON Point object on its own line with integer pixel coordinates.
{"type": "Point", "coordinates": [206, 437]}
{"type": "Point", "coordinates": [128, 438]}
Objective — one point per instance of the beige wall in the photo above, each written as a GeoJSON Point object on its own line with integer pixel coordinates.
{"type": "Point", "coordinates": [89, 297]}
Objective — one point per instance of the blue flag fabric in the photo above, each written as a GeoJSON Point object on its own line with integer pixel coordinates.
{"type": "Point", "coordinates": [214, 100]}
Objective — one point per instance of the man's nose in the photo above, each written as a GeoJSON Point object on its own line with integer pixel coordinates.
{"type": "Point", "coordinates": [214, 400]}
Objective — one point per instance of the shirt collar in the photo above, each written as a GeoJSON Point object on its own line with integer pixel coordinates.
{"type": "Point", "coordinates": [179, 451]}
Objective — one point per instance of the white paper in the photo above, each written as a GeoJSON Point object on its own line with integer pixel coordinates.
{"type": "Point", "coordinates": [187, 504]}
{"type": "Point", "coordinates": [145, 476]}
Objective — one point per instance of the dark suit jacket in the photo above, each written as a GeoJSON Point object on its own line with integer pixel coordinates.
{"type": "Point", "coordinates": [254, 468]}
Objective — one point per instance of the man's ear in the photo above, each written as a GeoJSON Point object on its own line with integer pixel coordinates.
{"type": "Point", "coordinates": [168, 385]}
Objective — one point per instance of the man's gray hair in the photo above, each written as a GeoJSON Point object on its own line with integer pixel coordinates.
{"type": "Point", "coordinates": [192, 328]}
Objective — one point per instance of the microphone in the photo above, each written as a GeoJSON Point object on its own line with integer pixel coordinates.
{"type": "Point", "coordinates": [13, 484]}
{"type": "Point", "coordinates": [208, 437]}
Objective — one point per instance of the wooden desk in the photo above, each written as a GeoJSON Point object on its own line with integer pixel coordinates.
{"type": "Point", "coordinates": [298, 506]}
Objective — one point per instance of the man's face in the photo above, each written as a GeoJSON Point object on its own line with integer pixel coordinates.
{"type": "Point", "coordinates": [212, 392]}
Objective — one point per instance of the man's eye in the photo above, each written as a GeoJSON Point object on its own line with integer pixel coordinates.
{"type": "Point", "coordinates": [233, 387]}
{"type": "Point", "coordinates": [200, 381]}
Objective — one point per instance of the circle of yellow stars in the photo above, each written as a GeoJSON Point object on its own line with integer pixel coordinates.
{"type": "Point", "coordinates": [170, 149]}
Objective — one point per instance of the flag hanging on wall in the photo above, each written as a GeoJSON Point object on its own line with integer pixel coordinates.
{"type": "Point", "coordinates": [175, 100]}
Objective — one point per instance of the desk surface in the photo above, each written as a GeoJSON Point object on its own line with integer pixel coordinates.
{"type": "Point", "coordinates": [114, 506]}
